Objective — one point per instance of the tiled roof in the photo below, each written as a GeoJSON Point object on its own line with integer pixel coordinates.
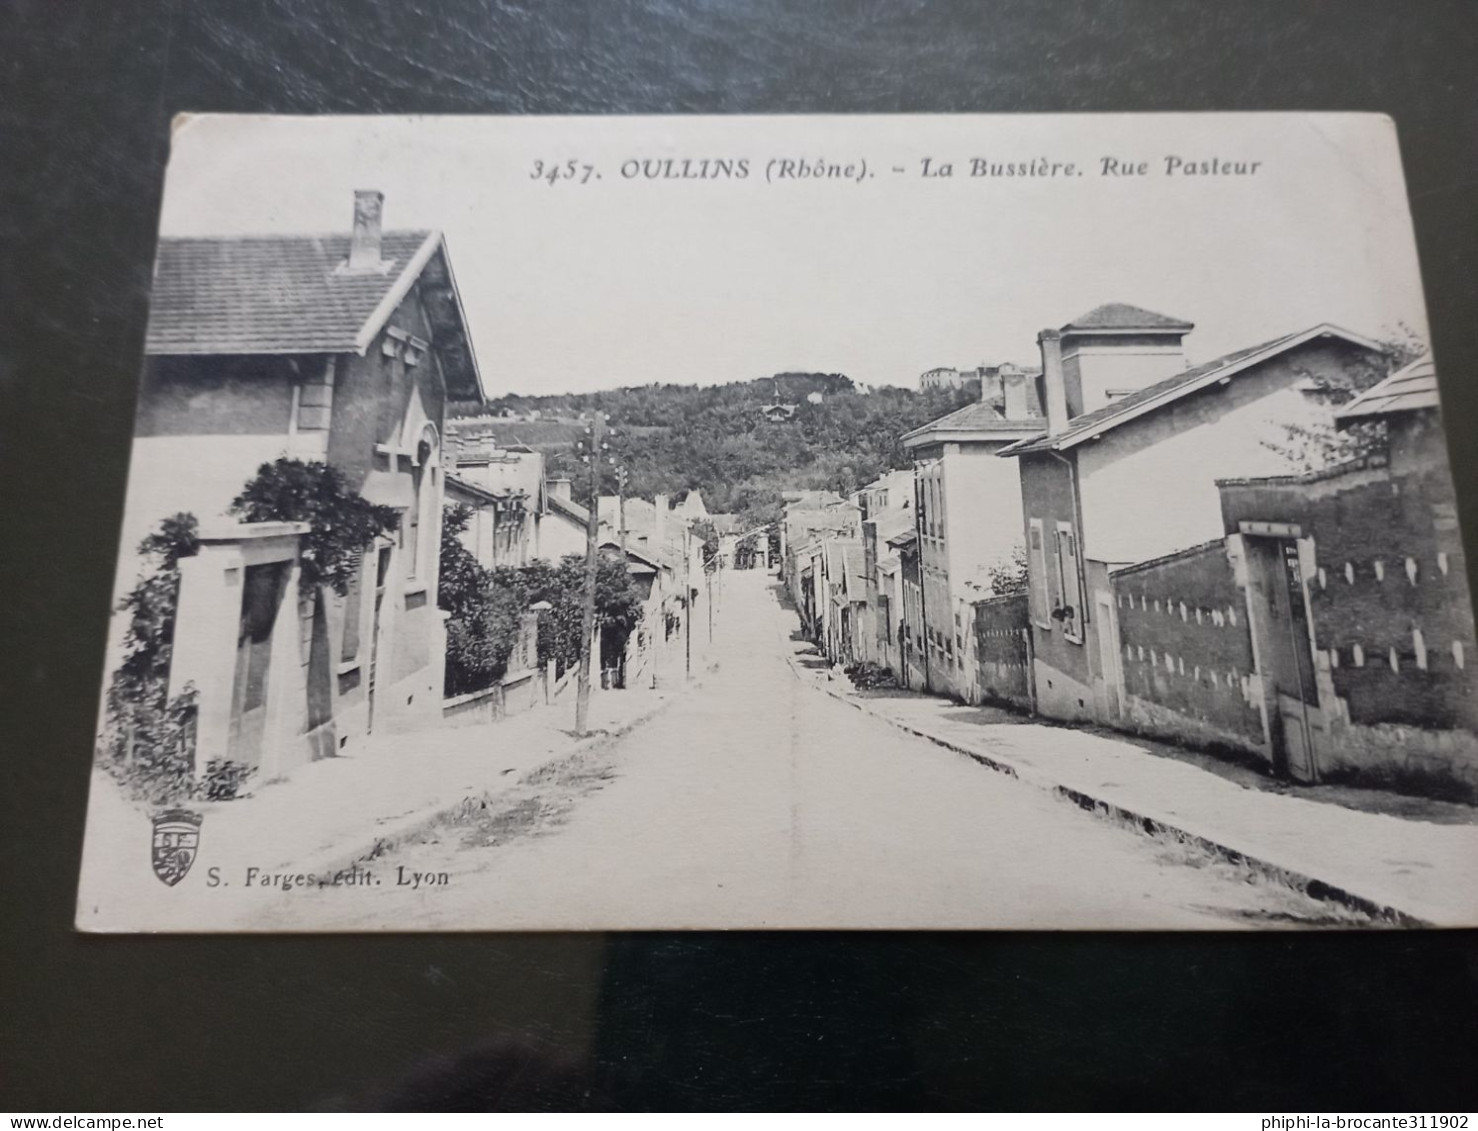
{"type": "Point", "coordinates": [904, 539]}
{"type": "Point", "coordinates": [810, 500]}
{"type": "Point", "coordinates": [843, 559]}
{"type": "Point", "coordinates": [1409, 389]}
{"type": "Point", "coordinates": [636, 550]}
{"type": "Point", "coordinates": [1169, 390]}
{"type": "Point", "coordinates": [976, 417]}
{"type": "Point", "coordinates": [455, 483]}
{"type": "Point", "coordinates": [569, 508]}
{"type": "Point", "coordinates": [890, 523]}
{"type": "Point", "coordinates": [271, 294]}
{"type": "Point", "coordinates": [1122, 316]}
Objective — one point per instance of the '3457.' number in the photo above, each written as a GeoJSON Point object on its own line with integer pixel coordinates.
{"type": "Point", "coordinates": [571, 170]}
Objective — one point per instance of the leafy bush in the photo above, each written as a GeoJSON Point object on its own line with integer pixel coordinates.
{"type": "Point", "coordinates": [341, 522]}
{"type": "Point", "coordinates": [486, 607]}
{"type": "Point", "coordinates": [1010, 577]}
{"type": "Point", "coordinates": [484, 621]}
{"type": "Point", "coordinates": [148, 740]}
{"type": "Point", "coordinates": [869, 676]}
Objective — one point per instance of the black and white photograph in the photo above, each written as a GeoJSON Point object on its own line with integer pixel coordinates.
{"type": "Point", "coordinates": [859, 522]}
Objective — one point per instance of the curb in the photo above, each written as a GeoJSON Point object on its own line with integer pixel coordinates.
{"type": "Point", "coordinates": [409, 826]}
{"type": "Point", "coordinates": [1298, 881]}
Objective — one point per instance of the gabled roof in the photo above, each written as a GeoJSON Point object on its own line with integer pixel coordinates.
{"type": "Point", "coordinates": [291, 295]}
{"type": "Point", "coordinates": [808, 500]}
{"type": "Point", "coordinates": [891, 523]}
{"type": "Point", "coordinates": [976, 421]}
{"type": "Point", "coordinates": [843, 560]}
{"type": "Point", "coordinates": [1120, 316]}
{"type": "Point", "coordinates": [692, 504]}
{"type": "Point", "coordinates": [641, 554]}
{"type": "Point", "coordinates": [1171, 389]}
{"type": "Point", "coordinates": [455, 483]}
{"type": "Point", "coordinates": [568, 508]}
{"type": "Point", "coordinates": [904, 540]}
{"type": "Point", "coordinates": [898, 478]}
{"type": "Point", "coordinates": [1410, 389]}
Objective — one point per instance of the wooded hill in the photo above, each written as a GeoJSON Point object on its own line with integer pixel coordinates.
{"type": "Point", "coordinates": [721, 440]}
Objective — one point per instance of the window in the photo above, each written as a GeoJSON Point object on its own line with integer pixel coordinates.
{"type": "Point", "coordinates": [1070, 612]}
{"type": "Point", "coordinates": [1041, 600]}
{"type": "Point", "coordinates": [413, 523]}
{"type": "Point", "coordinates": [420, 519]}
{"type": "Point", "coordinates": [352, 607]}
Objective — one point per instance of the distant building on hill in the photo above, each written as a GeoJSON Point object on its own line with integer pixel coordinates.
{"type": "Point", "coordinates": [986, 382]}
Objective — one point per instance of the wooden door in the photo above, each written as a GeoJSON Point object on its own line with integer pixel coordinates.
{"type": "Point", "coordinates": [382, 574]}
{"type": "Point", "coordinates": [261, 596]}
{"type": "Point", "coordinates": [1281, 628]}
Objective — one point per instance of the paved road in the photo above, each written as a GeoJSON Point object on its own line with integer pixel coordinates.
{"type": "Point", "coordinates": [756, 800]}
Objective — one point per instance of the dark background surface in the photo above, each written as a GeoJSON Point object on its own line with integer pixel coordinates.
{"type": "Point", "coordinates": [1313, 1022]}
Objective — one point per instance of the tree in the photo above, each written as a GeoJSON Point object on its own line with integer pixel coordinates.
{"type": "Point", "coordinates": [486, 607]}
{"type": "Point", "coordinates": [1313, 447]}
{"type": "Point", "coordinates": [719, 440]}
{"type": "Point", "coordinates": [485, 618]}
{"type": "Point", "coordinates": [341, 522]}
{"type": "Point", "coordinates": [1010, 577]}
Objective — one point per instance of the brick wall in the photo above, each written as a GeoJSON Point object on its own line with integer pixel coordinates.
{"type": "Point", "coordinates": [1186, 650]}
{"type": "Point", "coordinates": [1392, 615]}
{"type": "Point", "coordinates": [1002, 655]}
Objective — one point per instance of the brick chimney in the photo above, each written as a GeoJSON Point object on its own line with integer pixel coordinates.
{"type": "Point", "coordinates": [559, 488]}
{"type": "Point", "coordinates": [364, 245]}
{"type": "Point", "coordinates": [1013, 389]}
{"type": "Point", "coordinates": [1058, 413]}
{"type": "Point", "coordinates": [990, 383]}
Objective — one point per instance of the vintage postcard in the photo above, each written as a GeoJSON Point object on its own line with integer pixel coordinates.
{"type": "Point", "coordinates": [786, 522]}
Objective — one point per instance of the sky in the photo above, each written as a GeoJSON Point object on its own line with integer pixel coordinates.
{"type": "Point", "coordinates": [613, 280]}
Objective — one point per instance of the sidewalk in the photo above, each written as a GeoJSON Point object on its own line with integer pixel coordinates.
{"type": "Point", "coordinates": [1407, 871]}
{"type": "Point", "coordinates": [329, 813]}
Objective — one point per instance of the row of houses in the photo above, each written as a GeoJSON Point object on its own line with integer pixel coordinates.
{"type": "Point", "coordinates": [341, 350]}
{"type": "Point", "coordinates": [1258, 554]}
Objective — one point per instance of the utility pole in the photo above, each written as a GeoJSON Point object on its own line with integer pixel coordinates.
{"type": "Point", "coordinates": [592, 562]}
{"type": "Point", "coordinates": [621, 504]}
{"type": "Point", "coordinates": [687, 602]}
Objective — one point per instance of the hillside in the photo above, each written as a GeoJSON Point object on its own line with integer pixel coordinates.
{"type": "Point", "coordinates": [719, 439]}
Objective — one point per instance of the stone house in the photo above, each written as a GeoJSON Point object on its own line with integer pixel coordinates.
{"type": "Point", "coordinates": [502, 486]}
{"type": "Point", "coordinates": [561, 526]}
{"type": "Point", "coordinates": [1126, 471]}
{"type": "Point", "coordinates": [914, 654]}
{"type": "Point", "coordinates": [341, 348]}
{"type": "Point", "coordinates": [887, 508]}
{"type": "Point", "coordinates": [842, 591]}
{"type": "Point", "coordinates": [808, 521]}
{"type": "Point", "coordinates": [498, 531]}
{"type": "Point", "coordinates": [968, 521]}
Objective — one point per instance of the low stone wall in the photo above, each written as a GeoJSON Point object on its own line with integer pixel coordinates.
{"type": "Point", "coordinates": [1408, 759]}
{"type": "Point", "coordinates": [1186, 650]}
{"type": "Point", "coordinates": [515, 693]}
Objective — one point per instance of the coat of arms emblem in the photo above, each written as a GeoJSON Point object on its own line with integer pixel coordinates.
{"type": "Point", "coordinates": [176, 842]}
